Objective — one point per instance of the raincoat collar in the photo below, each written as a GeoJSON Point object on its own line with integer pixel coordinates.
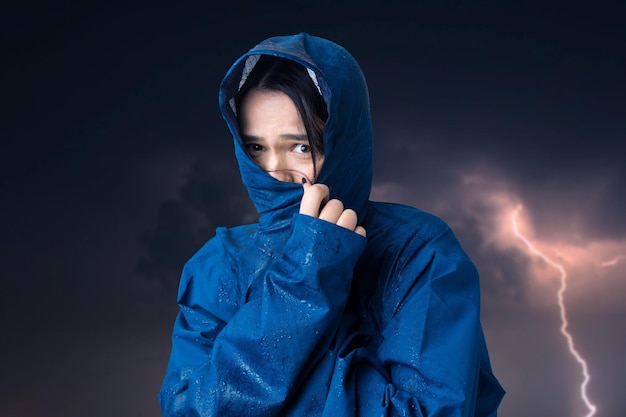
{"type": "Point", "coordinates": [348, 137]}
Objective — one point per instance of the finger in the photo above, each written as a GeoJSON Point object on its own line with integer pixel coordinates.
{"type": "Point", "coordinates": [332, 211]}
{"type": "Point", "coordinates": [347, 219]}
{"type": "Point", "coordinates": [313, 199]}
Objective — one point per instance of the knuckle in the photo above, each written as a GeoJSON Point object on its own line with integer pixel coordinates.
{"type": "Point", "coordinates": [348, 219]}
{"type": "Point", "coordinates": [350, 213]}
{"type": "Point", "coordinates": [337, 204]}
{"type": "Point", "coordinates": [319, 189]}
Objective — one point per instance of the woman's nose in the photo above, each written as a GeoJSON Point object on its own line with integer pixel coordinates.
{"type": "Point", "coordinates": [286, 175]}
{"type": "Point", "coordinates": [277, 167]}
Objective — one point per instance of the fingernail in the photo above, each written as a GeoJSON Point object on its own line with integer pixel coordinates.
{"type": "Point", "coordinates": [303, 180]}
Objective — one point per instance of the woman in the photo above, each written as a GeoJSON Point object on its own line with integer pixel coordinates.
{"type": "Point", "coordinates": [331, 305]}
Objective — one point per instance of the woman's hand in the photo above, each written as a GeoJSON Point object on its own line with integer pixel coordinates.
{"type": "Point", "coordinates": [315, 203]}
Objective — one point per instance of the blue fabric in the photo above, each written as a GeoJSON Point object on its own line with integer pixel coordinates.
{"type": "Point", "coordinates": [296, 316]}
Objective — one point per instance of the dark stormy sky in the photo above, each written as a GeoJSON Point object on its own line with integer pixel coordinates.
{"type": "Point", "coordinates": [116, 167]}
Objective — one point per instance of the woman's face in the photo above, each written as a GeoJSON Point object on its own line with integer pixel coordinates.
{"type": "Point", "coordinates": [275, 138]}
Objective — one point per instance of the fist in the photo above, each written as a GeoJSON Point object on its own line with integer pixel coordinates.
{"type": "Point", "coordinates": [315, 203]}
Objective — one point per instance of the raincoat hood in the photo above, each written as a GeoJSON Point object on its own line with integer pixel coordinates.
{"type": "Point", "coordinates": [348, 137]}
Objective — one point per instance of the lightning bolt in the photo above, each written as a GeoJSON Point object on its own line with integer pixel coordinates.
{"type": "Point", "coordinates": [564, 323]}
{"type": "Point", "coordinates": [613, 261]}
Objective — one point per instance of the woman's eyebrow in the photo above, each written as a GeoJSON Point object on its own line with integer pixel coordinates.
{"type": "Point", "coordinates": [249, 138]}
{"type": "Point", "coordinates": [300, 137]}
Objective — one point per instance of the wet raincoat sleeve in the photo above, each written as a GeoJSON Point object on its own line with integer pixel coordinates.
{"type": "Point", "coordinates": [248, 359]}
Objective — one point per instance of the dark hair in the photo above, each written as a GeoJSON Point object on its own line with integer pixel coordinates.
{"type": "Point", "coordinates": [280, 74]}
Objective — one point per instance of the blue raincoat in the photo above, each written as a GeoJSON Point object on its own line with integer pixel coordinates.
{"type": "Point", "coordinates": [297, 316]}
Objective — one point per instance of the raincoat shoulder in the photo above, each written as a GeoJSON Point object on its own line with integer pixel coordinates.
{"type": "Point", "coordinates": [421, 292]}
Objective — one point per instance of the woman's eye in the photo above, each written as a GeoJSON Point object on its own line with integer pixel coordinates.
{"type": "Point", "coordinates": [302, 148]}
{"type": "Point", "coordinates": [253, 147]}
